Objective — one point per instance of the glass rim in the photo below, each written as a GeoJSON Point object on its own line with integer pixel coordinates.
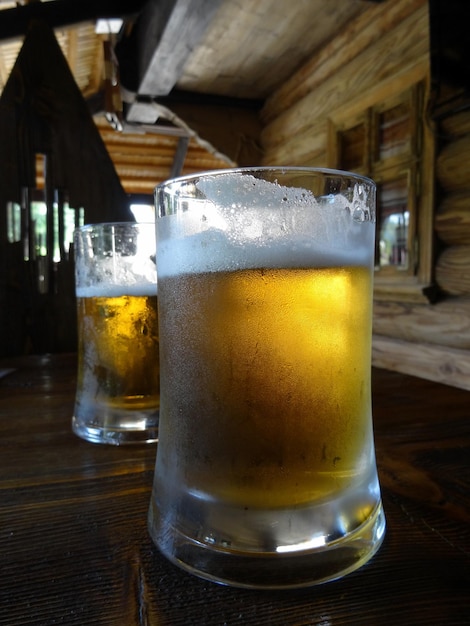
{"type": "Point", "coordinates": [87, 227]}
{"type": "Point", "coordinates": [301, 169]}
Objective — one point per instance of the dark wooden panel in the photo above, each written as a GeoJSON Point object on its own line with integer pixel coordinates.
{"type": "Point", "coordinates": [43, 112]}
{"type": "Point", "coordinates": [15, 22]}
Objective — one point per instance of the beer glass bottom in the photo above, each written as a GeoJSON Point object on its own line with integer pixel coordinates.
{"type": "Point", "coordinates": [262, 552]}
{"type": "Point", "coordinates": [118, 429]}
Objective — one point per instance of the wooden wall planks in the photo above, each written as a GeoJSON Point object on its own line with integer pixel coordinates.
{"type": "Point", "coordinates": [397, 51]}
{"type": "Point", "coordinates": [144, 160]}
{"type": "Point", "coordinates": [378, 54]}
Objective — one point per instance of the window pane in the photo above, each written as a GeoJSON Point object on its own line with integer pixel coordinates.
{"type": "Point", "coordinates": [393, 224]}
{"type": "Point", "coordinates": [394, 131]}
{"type": "Point", "coordinates": [352, 143]}
{"type": "Point", "coordinates": [13, 222]}
{"type": "Point", "coordinates": [39, 227]}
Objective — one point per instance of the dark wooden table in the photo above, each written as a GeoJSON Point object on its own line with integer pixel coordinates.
{"type": "Point", "coordinates": [74, 547]}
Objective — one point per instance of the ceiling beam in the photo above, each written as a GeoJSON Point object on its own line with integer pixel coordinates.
{"type": "Point", "coordinates": [58, 13]}
{"type": "Point", "coordinates": [180, 156]}
{"type": "Point", "coordinates": [167, 32]}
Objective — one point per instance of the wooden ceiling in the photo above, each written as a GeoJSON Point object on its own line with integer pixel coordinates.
{"type": "Point", "coordinates": [184, 80]}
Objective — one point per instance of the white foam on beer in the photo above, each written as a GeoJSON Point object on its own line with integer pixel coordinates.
{"type": "Point", "coordinates": [255, 228]}
{"type": "Point", "coordinates": [112, 277]}
{"type": "Point", "coordinates": [114, 291]}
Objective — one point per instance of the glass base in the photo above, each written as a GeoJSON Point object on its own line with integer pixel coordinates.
{"type": "Point", "coordinates": [147, 433]}
{"type": "Point", "coordinates": [316, 560]}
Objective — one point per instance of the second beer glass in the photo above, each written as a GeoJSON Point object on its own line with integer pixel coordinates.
{"type": "Point", "coordinates": [117, 397]}
{"type": "Point", "coordinates": [265, 472]}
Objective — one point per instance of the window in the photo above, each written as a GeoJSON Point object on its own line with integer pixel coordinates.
{"type": "Point", "coordinates": [65, 220]}
{"type": "Point", "coordinates": [143, 212]}
{"type": "Point", "coordinates": [393, 241]}
{"type": "Point", "coordinates": [387, 142]}
{"type": "Point", "coordinates": [42, 239]}
{"type": "Point", "coordinates": [352, 142]}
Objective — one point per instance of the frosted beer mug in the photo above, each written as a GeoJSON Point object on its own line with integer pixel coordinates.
{"type": "Point", "coordinates": [117, 398]}
{"type": "Point", "coordinates": [265, 473]}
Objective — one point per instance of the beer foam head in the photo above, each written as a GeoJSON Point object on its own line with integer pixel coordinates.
{"type": "Point", "coordinates": [114, 291]}
{"type": "Point", "coordinates": [247, 222]}
{"type": "Point", "coordinates": [115, 257]}
{"type": "Point", "coordinates": [116, 275]}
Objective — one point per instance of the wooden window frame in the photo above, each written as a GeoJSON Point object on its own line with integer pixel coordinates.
{"type": "Point", "coordinates": [413, 283]}
{"type": "Point", "coordinates": [388, 175]}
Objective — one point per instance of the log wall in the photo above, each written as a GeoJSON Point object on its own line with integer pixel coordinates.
{"type": "Point", "coordinates": [383, 52]}
{"type": "Point", "coordinates": [452, 221]}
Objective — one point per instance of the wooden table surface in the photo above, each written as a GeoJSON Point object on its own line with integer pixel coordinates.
{"type": "Point", "coordinates": [74, 547]}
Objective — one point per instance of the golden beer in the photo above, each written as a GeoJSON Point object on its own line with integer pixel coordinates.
{"type": "Point", "coordinates": [118, 384]}
{"type": "Point", "coordinates": [118, 357]}
{"type": "Point", "coordinates": [269, 371]}
{"type": "Point", "coordinates": [265, 473]}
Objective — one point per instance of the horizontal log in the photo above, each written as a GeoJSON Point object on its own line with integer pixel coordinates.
{"type": "Point", "coordinates": [143, 187]}
{"type": "Point", "coordinates": [115, 140]}
{"type": "Point", "coordinates": [375, 65]}
{"type": "Point", "coordinates": [445, 365]}
{"type": "Point", "coordinates": [313, 159]}
{"type": "Point", "coordinates": [203, 162]}
{"type": "Point", "coordinates": [144, 160]}
{"type": "Point", "coordinates": [136, 162]}
{"type": "Point", "coordinates": [155, 143]}
{"type": "Point", "coordinates": [133, 153]}
{"type": "Point", "coordinates": [452, 165]}
{"type": "Point", "coordinates": [130, 133]}
{"type": "Point", "coordinates": [446, 323]}
{"type": "Point", "coordinates": [140, 174]}
{"type": "Point", "coordinates": [299, 150]}
{"type": "Point", "coordinates": [143, 172]}
{"type": "Point", "coordinates": [452, 220]}
{"type": "Point", "coordinates": [136, 181]}
{"type": "Point", "coordinates": [408, 289]}
{"type": "Point", "coordinates": [455, 126]}
{"type": "Point", "coordinates": [361, 33]}
{"type": "Point", "coordinates": [453, 270]}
